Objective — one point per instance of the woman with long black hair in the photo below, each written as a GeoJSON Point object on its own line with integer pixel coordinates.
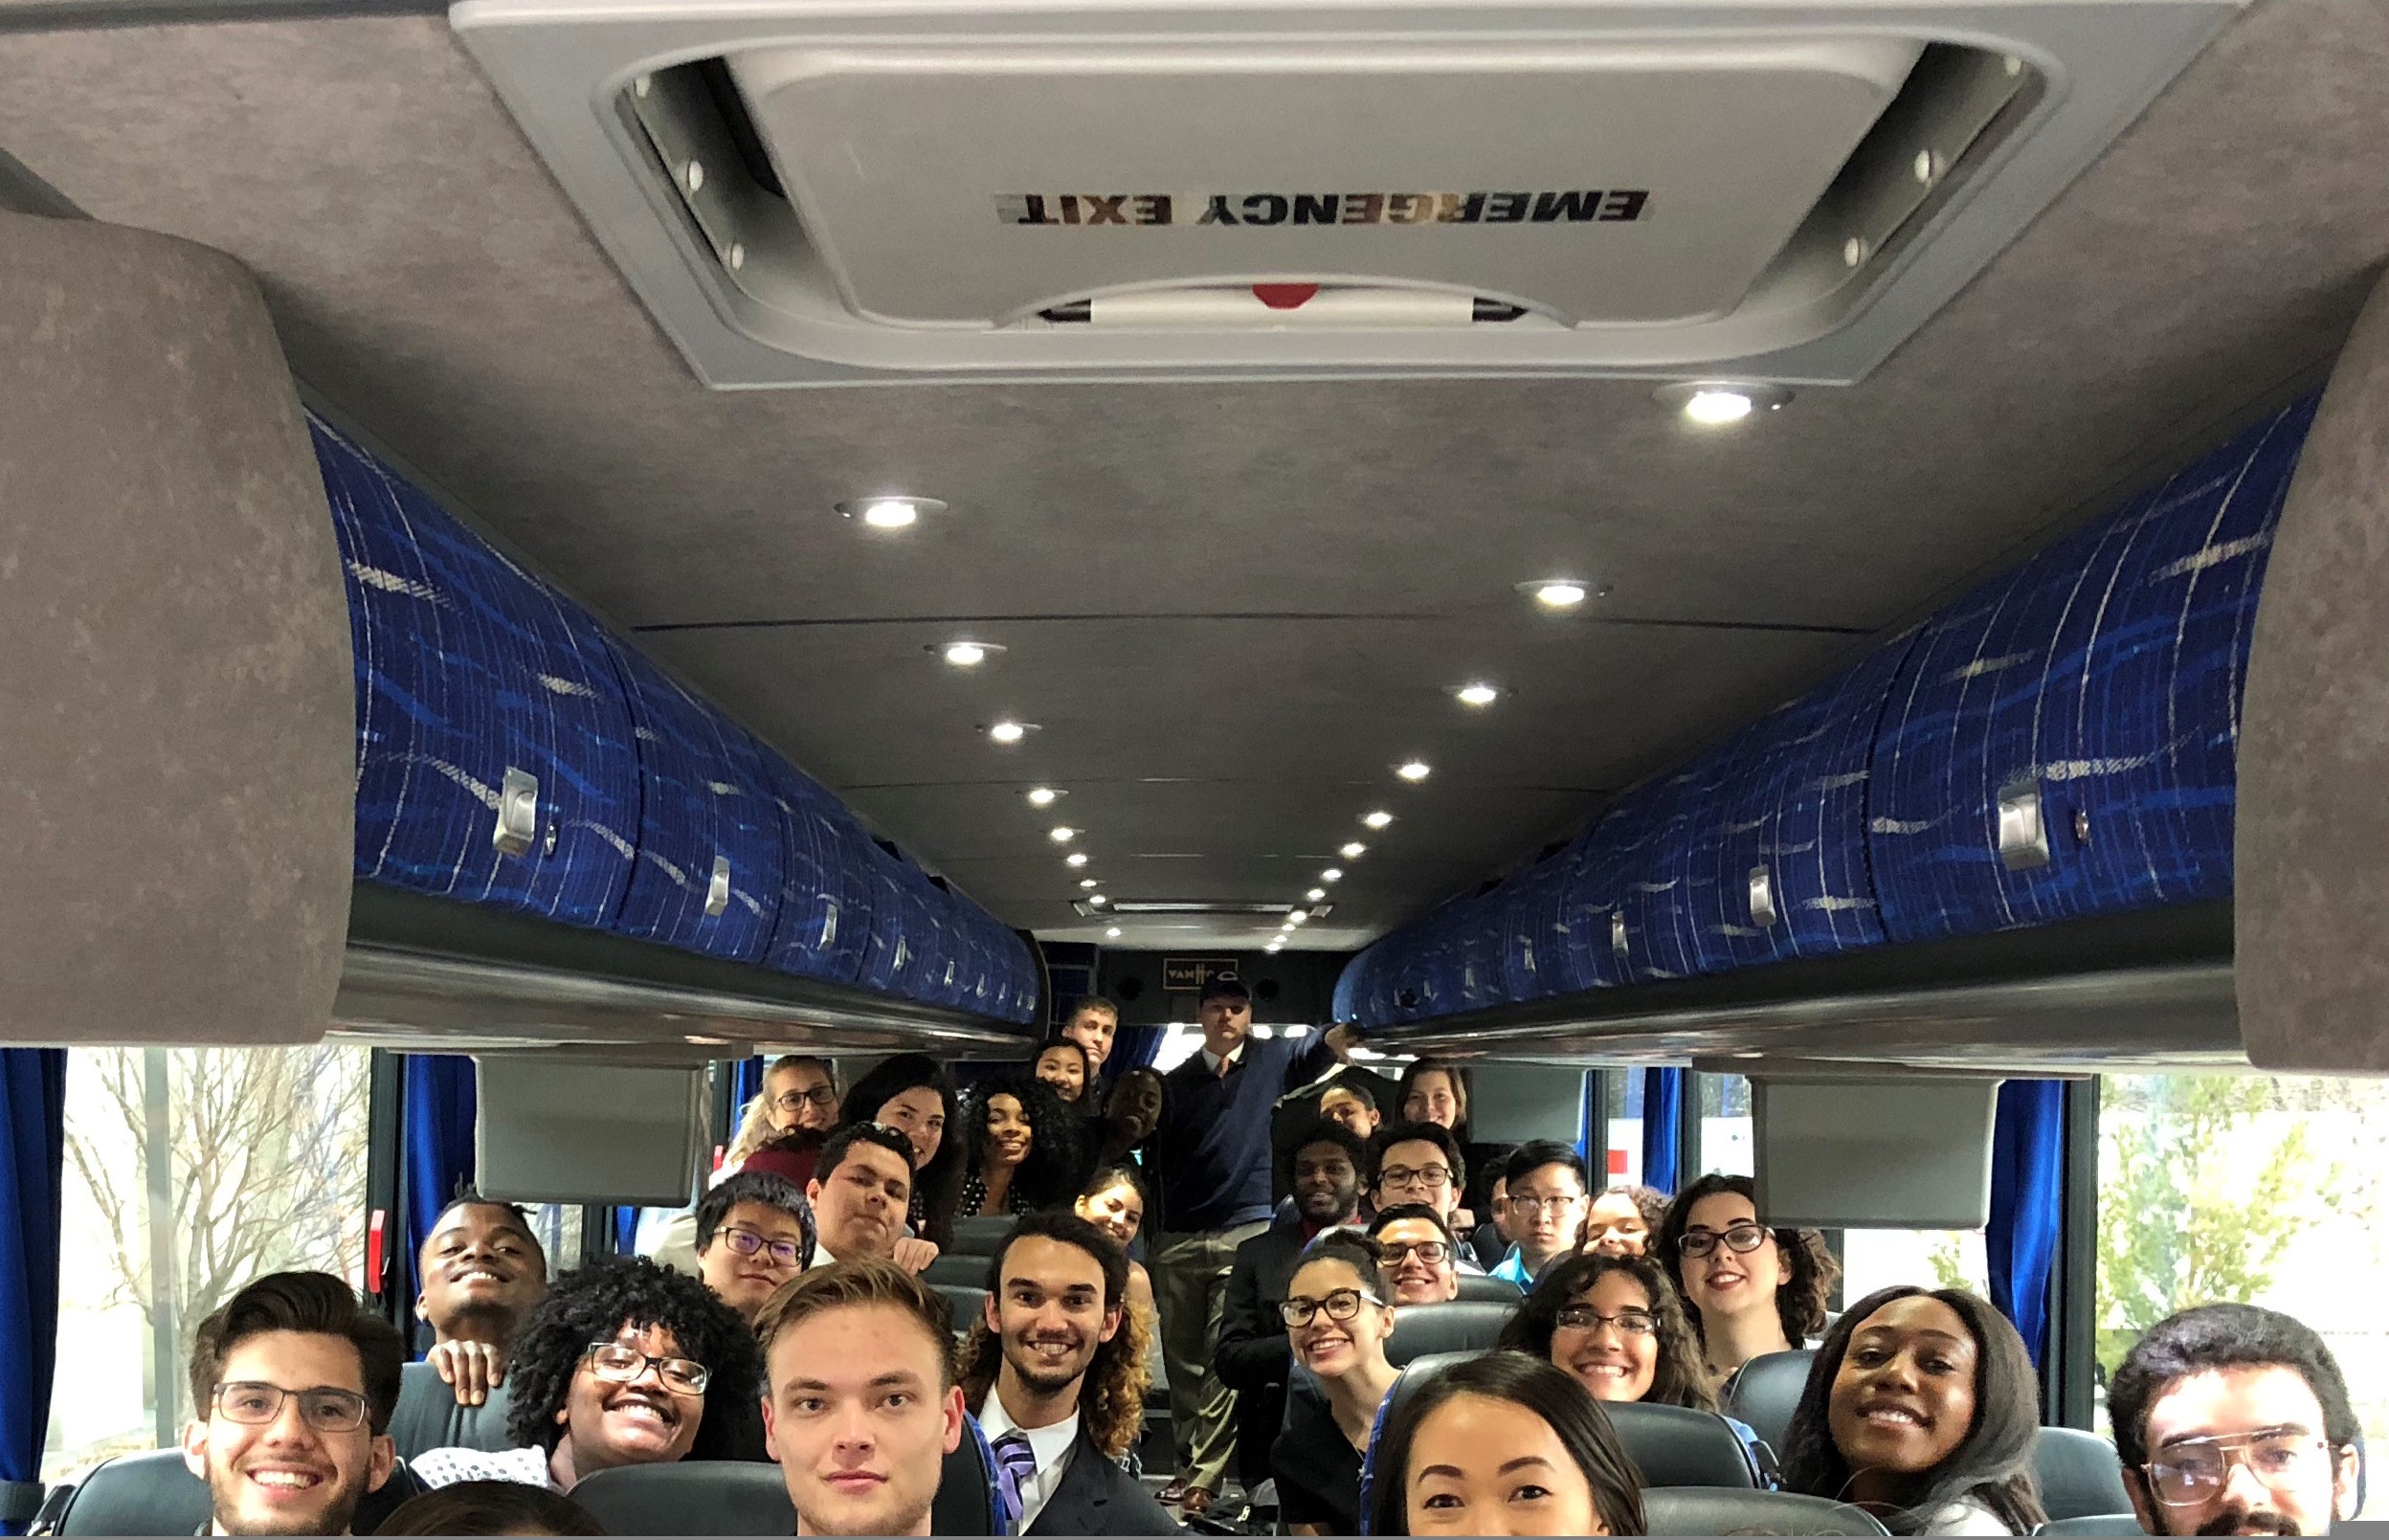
{"type": "Point", "coordinates": [1024, 1149]}
{"type": "Point", "coordinates": [1503, 1444]}
{"type": "Point", "coordinates": [1922, 1407]}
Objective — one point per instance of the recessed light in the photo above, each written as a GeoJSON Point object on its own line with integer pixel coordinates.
{"type": "Point", "coordinates": [1714, 403]}
{"type": "Point", "coordinates": [1088, 882]}
{"type": "Point", "coordinates": [1064, 835]}
{"type": "Point", "coordinates": [1354, 851]}
{"type": "Point", "coordinates": [1557, 592]}
{"type": "Point", "coordinates": [1009, 732]}
{"type": "Point", "coordinates": [1295, 917]}
{"type": "Point", "coordinates": [1097, 898]}
{"type": "Point", "coordinates": [966, 654]}
{"type": "Point", "coordinates": [1477, 694]}
{"type": "Point", "coordinates": [1077, 858]}
{"type": "Point", "coordinates": [1333, 874]}
{"type": "Point", "coordinates": [1379, 819]}
{"type": "Point", "coordinates": [1316, 894]}
{"type": "Point", "coordinates": [1042, 796]}
{"type": "Point", "coordinates": [1414, 772]}
{"type": "Point", "coordinates": [889, 513]}
{"type": "Point", "coordinates": [1112, 932]}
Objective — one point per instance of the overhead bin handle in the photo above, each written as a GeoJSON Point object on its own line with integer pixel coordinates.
{"type": "Point", "coordinates": [2023, 831]}
{"type": "Point", "coordinates": [518, 813]}
{"type": "Point", "coordinates": [718, 886]}
{"type": "Point", "coordinates": [1762, 897]}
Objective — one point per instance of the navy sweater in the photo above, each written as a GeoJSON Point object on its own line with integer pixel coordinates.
{"type": "Point", "coordinates": [1211, 1151]}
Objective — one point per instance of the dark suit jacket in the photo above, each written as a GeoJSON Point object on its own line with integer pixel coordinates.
{"type": "Point", "coordinates": [1253, 1350]}
{"type": "Point", "coordinates": [1097, 1497]}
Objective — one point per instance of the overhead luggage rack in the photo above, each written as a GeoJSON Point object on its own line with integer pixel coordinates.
{"type": "Point", "coordinates": [820, 191]}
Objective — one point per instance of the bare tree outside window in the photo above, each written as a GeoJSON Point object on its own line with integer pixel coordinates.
{"type": "Point", "coordinates": [264, 1159]}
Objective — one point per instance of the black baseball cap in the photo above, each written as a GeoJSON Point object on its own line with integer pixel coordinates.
{"type": "Point", "coordinates": [1223, 987]}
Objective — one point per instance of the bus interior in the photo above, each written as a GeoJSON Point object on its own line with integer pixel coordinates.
{"type": "Point", "coordinates": [1806, 603]}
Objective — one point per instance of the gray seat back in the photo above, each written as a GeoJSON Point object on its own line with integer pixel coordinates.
{"type": "Point", "coordinates": [427, 1416]}
{"type": "Point", "coordinates": [1480, 1286]}
{"type": "Point", "coordinates": [1672, 1445]}
{"type": "Point", "coordinates": [1677, 1510]}
{"type": "Point", "coordinates": [977, 1235]}
{"type": "Point", "coordinates": [2094, 1524]}
{"type": "Point", "coordinates": [1462, 1326]}
{"type": "Point", "coordinates": [690, 1497]}
{"type": "Point", "coordinates": [154, 1493]}
{"type": "Point", "coordinates": [1767, 1390]}
{"type": "Point", "coordinates": [2078, 1476]}
{"type": "Point", "coordinates": [967, 1301]}
{"type": "Point", "coordinates": [957, 1267]}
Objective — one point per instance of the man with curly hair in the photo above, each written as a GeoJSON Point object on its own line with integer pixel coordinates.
{"type": "Point", "coordinates": [1056, 1368]}
{"type": "Point", "coordinates": [616, 1367]}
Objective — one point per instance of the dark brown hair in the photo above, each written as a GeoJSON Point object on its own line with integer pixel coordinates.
{"type": "Point", "coordinates": [316, 1303]}
{"type": "Point", "coordinates": [1679, 1378]}
{"type": "Point", "coordinates": [1800, 1300]}
{"type": "Point", "coordinates": [1111, 1397]}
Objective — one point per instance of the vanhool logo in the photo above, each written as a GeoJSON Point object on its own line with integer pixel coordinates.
{"type": "Point", "coordinates": [1574, 207]}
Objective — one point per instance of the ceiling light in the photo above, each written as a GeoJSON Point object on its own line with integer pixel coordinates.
{"type": "Point", "coordinates": [1112, 932]}
{"type": "Point", "coordinates": [1042, 796]}
{"type": "Point", "coordinates": [1354, 851]}
{"type": "Point", "coordinates": [1097, 898]}
{"type": "Point", "coordinates": [1556, 592]}
{"type": "Point", "coordinates": [889, 513]}
{"type": "Point", "coordinates": [966, 654]}
{"type": "Point", "coordinates": [1379, 819]}
{"type": "Point", "coordinates": [1414, 772]}
{"type": "Point", "coordinates": [1316, 894]}
{"type": "Point", "coordinates": [1333, 874]}
{"type": "Point", "coordinates": [1077, 858]}
{"type": "Point", "coordinates": [1064, 834]}
{"type": "Point", "coordinates": [1714, 403]}
{"type": "Point", "coordinates": [1295, 917]}
{"type": "Point", "coordinates": [1088, 882]}
{"type": "Point", "coordinates": [1009, 732]}
{"type": "Point", "coordinates": [1478, 694]}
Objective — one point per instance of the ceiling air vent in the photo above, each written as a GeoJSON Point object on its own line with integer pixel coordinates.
{"type": "Point", "coordinates": [841, 192]}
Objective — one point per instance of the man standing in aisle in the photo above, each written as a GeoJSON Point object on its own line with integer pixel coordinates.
{"type": "Point", "coordinates": [1211, 1156]}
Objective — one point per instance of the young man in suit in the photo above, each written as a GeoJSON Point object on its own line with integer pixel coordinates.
{"type": "Point", "coordinates": [1055, 1369]}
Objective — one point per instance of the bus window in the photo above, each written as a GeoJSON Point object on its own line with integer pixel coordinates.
{"type": "Point", "coordinates": [263, 1158]}
{"type": "Point", "coordinates": [1725, 1129]}
{"type": "Point", "coordinates": [1621, 1096]}
{"type": "Point", "coordinates": [2261, 1189]}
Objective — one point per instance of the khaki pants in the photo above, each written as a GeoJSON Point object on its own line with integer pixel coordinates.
{"type": "Point", "coordinates": [1190, 1287]}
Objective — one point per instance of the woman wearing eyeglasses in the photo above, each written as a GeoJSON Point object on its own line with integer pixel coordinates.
{"type": "Point", "coordinates": [1752, 1289]}
{"type": "Point", "coordinates": [1337, 1321]}
{"type": "Point", "coordinates": [616, 1367]}
{"type": "Point", "coordinates": [1922, 1407]}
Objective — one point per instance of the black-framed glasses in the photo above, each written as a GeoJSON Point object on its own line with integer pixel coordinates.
{"type": "Point", "coordinates": [1629, 1323]}
{"type": "Point", "coordinates": [2193, 1471]}
{"type": "Point", "coordinates": [1340, 1303]}
{"type": "Point", "coordinates": [822, 1099]}
{"type": "Point", "coordinates": [750, 1242]}
{"type": "Point", "coordinates": [1418, 1176]}
{"type": "Point", "coordinates": [1431, 1252]}
{"type": "Point", "coordinates": [1519, 1201]}
{"type": "Point", "coordinates": [1740, 1239]}
{"type": "Point", "coordinates": [612, 1362]}
{"type": "Point", "coordinates": [325, 1408]}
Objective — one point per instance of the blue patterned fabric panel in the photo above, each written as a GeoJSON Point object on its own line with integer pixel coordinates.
{"type": "Point", "coordinates": [2107, 670]}
{"type": "Point", "coordinates": [468, 666]}
{"type": "Point", "coordinates": [824, 932]}
{"type": "Point", "coordinates": [705, 797]}
{"type": "Point", "coordinates": [1796, 803]}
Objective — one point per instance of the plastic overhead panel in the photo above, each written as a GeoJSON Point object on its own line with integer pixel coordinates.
{"type": "Point", "coordinates": [708, 874]}
{"type": "Point", "coordinates": [476, 687]}
{"type": "Point", "coordinates": [2062, 740]}
{"type": "Point", "coordinates": [1790, 873]}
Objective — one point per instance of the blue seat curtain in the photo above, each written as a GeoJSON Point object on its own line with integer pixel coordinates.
{"type": "Point", "coordinates": [437, 1107]}
{"type": "Point", "coordinates": [1134, 1048]}
{"type": "Point", "coordinates": [1662, 1123]}
{"type": "Point", "coordinates": [2027, 1205]}
{"type": "Point", "coordinates": [33, 1160]}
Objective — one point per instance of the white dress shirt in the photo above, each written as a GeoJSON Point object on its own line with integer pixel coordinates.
{"type": "Point", "coordinates": [1051, 1445]}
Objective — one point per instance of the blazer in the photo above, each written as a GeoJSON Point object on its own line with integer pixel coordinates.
{"type": "Point", "coordinates": [1097, 1497]}
{"type": "Point", "coordinates": [1253, 1349]}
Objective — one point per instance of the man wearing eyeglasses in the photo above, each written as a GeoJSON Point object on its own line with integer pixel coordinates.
{"type": "Point", "coordinates": [754, 1233]}
{"type": "Point", "coordinates": [1421, 1259]}
{"type": "Point", "coordinates": [2234, 1419]}
{"type": "Point", "coordinates": [1545, 1205]}
{"type": "Point", "coordinates": [1418, 1163]}
{"type": "Point", "coordinates": [294, 1380]}
{"type": "Point", "coordinates": [617, 1367]}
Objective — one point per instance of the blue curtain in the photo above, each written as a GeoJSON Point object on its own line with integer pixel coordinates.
{"type": "Point", "coordinates": [1662, 1122]}
{"type": "Point", "coordinates": [436, 1102]}
{"type": "Point", "coordinates": [1134, 1048]}
{"type": "Point", "coordinates": [2027, 1204]}
{"type": "Point", "coordinates": [745, 1083]}
{"type": "Point", "coordinates": [32, 1158]}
